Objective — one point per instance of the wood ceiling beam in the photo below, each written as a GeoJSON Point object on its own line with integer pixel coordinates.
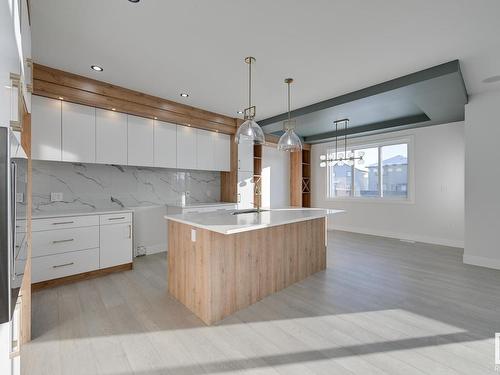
{"type": "Point", "coordinates": [56, 83]}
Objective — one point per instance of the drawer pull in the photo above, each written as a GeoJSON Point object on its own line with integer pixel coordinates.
{"type": "Point", "coordinates": [63, 222]}
{"type": "Point", "coordinates": [63, 265]}
{"type": "Point", "coordinates": [20, 274]}
{"type": "Point", "coordinates": [62, 241]}
{"type": "Point", "coordinates": [117, 218]}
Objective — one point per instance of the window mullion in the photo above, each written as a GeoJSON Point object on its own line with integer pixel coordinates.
{"type": "Point", "coordinates": [380, 179]}
{"type": "Point", "coordinates": [352, 179]}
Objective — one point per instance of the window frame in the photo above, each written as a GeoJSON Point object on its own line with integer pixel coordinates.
{"type": "Point", "coordinates": [357, 144]}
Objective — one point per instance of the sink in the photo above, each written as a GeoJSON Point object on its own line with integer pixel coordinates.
{"type": "Point", "coordinates": [249, 211]}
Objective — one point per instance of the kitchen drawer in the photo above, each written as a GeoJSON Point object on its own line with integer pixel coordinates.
{"type": "Point", "coordinates": [117, 218]}
{"type": "Point", "coordinates": [61, 265]}
{"type": "Point", "coordinates": [64, 222]}
{"type": "Point", "coordinates": [64, 240]}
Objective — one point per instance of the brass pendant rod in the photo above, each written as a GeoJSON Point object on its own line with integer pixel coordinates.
{"type": "Point", "coordinates": [250, 83]}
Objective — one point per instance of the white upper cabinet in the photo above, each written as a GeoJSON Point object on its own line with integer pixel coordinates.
{"type": "Point", "coordinates": [140, 141]}
{"type": "Point", "coordinates": [78, 133]}
{"type": "Point", "coordinates": [186, 147]}
{"type": "Point", "coordinates": [165, 145]}
{"type": "Point", "coordinates": [205, 149]}
{"type": "Point", "coordinates": [111, 137]}
{"type": "Point", "coordinates": [245, 156]}
{"type": "Point", "coordinates": [46, 129]}
{"type": "Point", "coordinates": [64, 131]}
{"type": "Point", "coordinates": [222, 152]}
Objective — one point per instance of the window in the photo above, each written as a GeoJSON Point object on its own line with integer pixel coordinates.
{"type": "Point", "coordinates": [383, 173]}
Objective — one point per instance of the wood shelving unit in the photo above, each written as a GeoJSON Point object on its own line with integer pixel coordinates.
{"type": "Point", "coordinates": [306, 178]}
{"type": "Point", "coordinates": [257, 175]}
{"type": "Point", "coordinates": [300, 178]}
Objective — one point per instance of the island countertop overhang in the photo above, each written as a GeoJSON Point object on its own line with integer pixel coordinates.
{"type": "Point", "coordinates": [224, 222]}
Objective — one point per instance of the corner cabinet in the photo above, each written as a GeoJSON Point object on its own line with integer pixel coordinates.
{"type": "Point", "coordinates": [111, 137]}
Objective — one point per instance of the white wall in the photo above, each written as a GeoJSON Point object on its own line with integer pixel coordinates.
{"type": "Point", "coordinates": [482, 183]}
{"type": "Point", "coordinates": [436, 214]}
{"type": "Point", "coordinates": [275, 177]}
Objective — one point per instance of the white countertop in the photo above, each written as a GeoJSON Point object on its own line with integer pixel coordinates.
{"type": "Point", "coordinates": [200, 205]}
{"type": "Point", "coordinates": [226, 223]}
{"type": "Point", "coordinates": [79, 212]}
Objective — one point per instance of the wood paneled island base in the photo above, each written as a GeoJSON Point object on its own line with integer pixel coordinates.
{"type": "Point", "coordinates": [219, 274]}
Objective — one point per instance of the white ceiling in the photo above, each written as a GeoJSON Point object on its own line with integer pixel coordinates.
{"type": "Point", "coordinates": [330, 47]}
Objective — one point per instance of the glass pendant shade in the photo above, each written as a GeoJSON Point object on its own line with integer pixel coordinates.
{"type": "Point", "coordinates": [290, 142]}
{"type": "Point", "coordinates": [250, 131]}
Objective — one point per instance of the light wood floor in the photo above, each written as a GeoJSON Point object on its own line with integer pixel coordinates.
{"type": "Point", "coordinates": [382, 307]}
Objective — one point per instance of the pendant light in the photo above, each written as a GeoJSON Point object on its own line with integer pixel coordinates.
{"type": "Point", "coordinates": [341, 158]}
{"type": "Point", "coordinates": [250, 130]}
{"type": "Point", "coordinates": [289, 141]}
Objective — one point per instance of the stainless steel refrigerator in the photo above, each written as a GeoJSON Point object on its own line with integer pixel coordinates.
{"type": "Point", "coordinates": [13, 246]}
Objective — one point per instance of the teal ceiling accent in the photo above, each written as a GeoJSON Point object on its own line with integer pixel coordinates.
{"type": "Point", "coordinates": [429, 97]}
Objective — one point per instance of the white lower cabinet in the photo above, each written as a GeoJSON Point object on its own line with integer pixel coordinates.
{"type": "Point", "coordinates": [116, 244]}
{"type": "Point", "coordinates": [65, 264]}
{"type": "Point", "coordinates": [64, 246]}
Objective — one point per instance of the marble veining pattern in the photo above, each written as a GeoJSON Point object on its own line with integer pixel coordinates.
{"type": "Point", "coordinates": [112, 186]}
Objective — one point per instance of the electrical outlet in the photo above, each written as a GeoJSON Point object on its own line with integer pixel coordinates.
{"type": "Point", "coordinates": [19, 197]}
{"type": "Point", "coordinates": [56, 197]}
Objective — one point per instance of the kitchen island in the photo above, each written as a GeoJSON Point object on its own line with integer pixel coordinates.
{"type": "Point", "coordinates": [220, 262]}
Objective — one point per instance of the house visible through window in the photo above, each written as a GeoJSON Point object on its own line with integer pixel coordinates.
{"type": "Point", "coordinates": [382, 174]}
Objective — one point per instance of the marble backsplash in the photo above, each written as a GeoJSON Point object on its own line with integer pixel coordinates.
{"type": "Point", "coordinates": [112, 186]}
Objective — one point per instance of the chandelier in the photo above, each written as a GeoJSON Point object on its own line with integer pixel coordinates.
{"type": "Point", "coordinates": [340, 158]}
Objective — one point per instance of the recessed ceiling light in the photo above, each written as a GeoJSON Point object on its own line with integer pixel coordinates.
{"type": "Point", "coordinates": [97, 68]}
{"type": "Point", "coordinates": [184, 95]}
{"type": "Point", "coordinates": [240, 112]}
{"type": "Point", "coordinates": [492, 79]}
{"type": "Point", "coordinates": [156, 118]}
{"type": "Point", "coordinates": [113, 109]}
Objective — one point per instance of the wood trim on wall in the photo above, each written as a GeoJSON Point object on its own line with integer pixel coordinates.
{"type": "Point", "coordinates": [54, 83]}
{"type": "Point", "coordinates": [229, 180]}
{"type": "Point", "coordinates": [25, 290]}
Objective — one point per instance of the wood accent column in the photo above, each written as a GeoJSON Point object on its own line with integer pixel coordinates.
{"type": "Point", "coordinates": [25, 291]}
{"type": "Point", "coordinates": [229, 180]}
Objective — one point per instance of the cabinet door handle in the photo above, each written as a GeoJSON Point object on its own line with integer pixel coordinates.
{"type": "Point", "coordinates": [130, 231]}
{"type": "Point", "coordinates": [63, 265]}
{"type": "Point", "coordinates": [117, 218]}
{"type": "Point", "coordinates": [63, 222]}
{"type": "Point", "coordinates": [62, 241]}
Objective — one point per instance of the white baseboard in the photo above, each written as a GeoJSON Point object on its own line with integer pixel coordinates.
{"type": "Point", "coordinates": [482, 261]}
{"type": "Point", "coordinates": [153, 249]}
{"type": "Point", "coordinates": [401, 236]}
